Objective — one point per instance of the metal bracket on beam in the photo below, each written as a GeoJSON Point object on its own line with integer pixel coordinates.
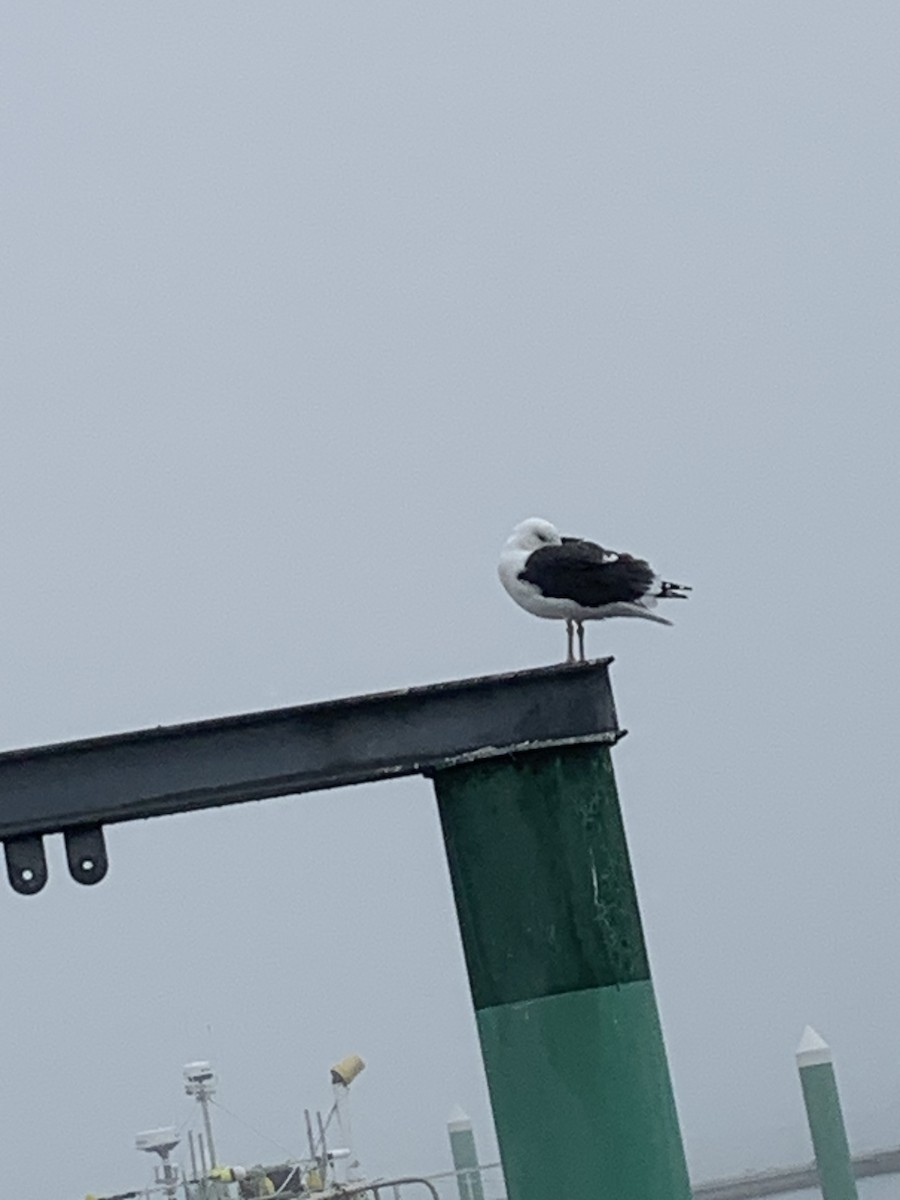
{"type": "Point", "coordinates": [86, 854]}
{"type": "Point", "coordinates": [78, 787]}
{"type": "Point", "coordinates": [26, 864]}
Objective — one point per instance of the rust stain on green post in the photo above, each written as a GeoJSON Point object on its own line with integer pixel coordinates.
{"type": "Point", "coordinates": [567, 1018]}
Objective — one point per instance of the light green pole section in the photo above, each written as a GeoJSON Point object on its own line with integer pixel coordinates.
{"type": "Point", "coordinates": [826, 1121]}
{"type": "Point", "coordinates": [566, 1013]}
{"type": "Point", "coordinates": [465, 1156]}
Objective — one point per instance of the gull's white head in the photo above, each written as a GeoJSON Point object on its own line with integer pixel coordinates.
{"type": "Point", "coordinates": [532, 534]}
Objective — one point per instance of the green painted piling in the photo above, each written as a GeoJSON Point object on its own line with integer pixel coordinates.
{"type": "Point", "coordinates": [826, 1121]}
{"type": "Point", "coordinates": [465, 1156]}
{"type": "Point", "coordinates": [566, 1013]}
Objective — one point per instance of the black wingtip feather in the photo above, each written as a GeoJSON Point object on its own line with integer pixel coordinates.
{"type": "Point", "coordinates": [673, 591]}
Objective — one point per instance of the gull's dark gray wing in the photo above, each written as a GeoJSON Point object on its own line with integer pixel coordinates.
{"type": "Point", "coordinates": [584, 572]}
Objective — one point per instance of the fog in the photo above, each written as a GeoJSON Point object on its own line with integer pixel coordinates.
{"type": "Point", "coordinates": [305, 305]}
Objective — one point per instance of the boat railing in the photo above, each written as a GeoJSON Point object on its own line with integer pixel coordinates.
{"type": "Point", "coordinates": [484, 1182]}
{"type": "Point", "coordinates": [402, 1188]}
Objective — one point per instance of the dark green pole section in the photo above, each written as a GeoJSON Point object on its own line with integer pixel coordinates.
{"type": "Point", "coordinates": [570, 1033]}
{"type": "Point", "coordinates": [826, 1121]}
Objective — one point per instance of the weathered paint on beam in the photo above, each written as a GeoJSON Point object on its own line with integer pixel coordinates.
{"type": "Point", "coordinates": [179, 768]}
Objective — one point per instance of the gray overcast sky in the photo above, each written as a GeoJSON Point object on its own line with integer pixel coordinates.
{"type": "Point", "coordinates": [304, 306]}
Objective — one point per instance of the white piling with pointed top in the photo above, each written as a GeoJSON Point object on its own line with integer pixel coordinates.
{"type": "Point", "coordinates": [465, 1155]}
{"type": "Point", "coordinates": [826, 1121]}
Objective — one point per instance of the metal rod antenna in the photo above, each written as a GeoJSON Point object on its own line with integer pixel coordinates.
{"type": "Point", "coordinates": [204, 1104]}
{"type": "Point", "coordinates": [193, 1154]}
{"type": "Point", "coordinates": [200, 1082]}
{"type": "Point", "coordinates": [324, 1146]}
{"type": "Point", "coordinates": [309, 1134]}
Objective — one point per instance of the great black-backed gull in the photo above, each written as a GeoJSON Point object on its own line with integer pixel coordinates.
{"type": "Point", "coordinates": [573, 580]}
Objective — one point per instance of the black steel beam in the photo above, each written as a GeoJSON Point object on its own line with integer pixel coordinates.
{"type": "Point", "coordinates": [77, 787]}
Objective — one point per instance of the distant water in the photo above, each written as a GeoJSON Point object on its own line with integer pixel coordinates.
{"type": "Point", "coordinates": [882, 1187]}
